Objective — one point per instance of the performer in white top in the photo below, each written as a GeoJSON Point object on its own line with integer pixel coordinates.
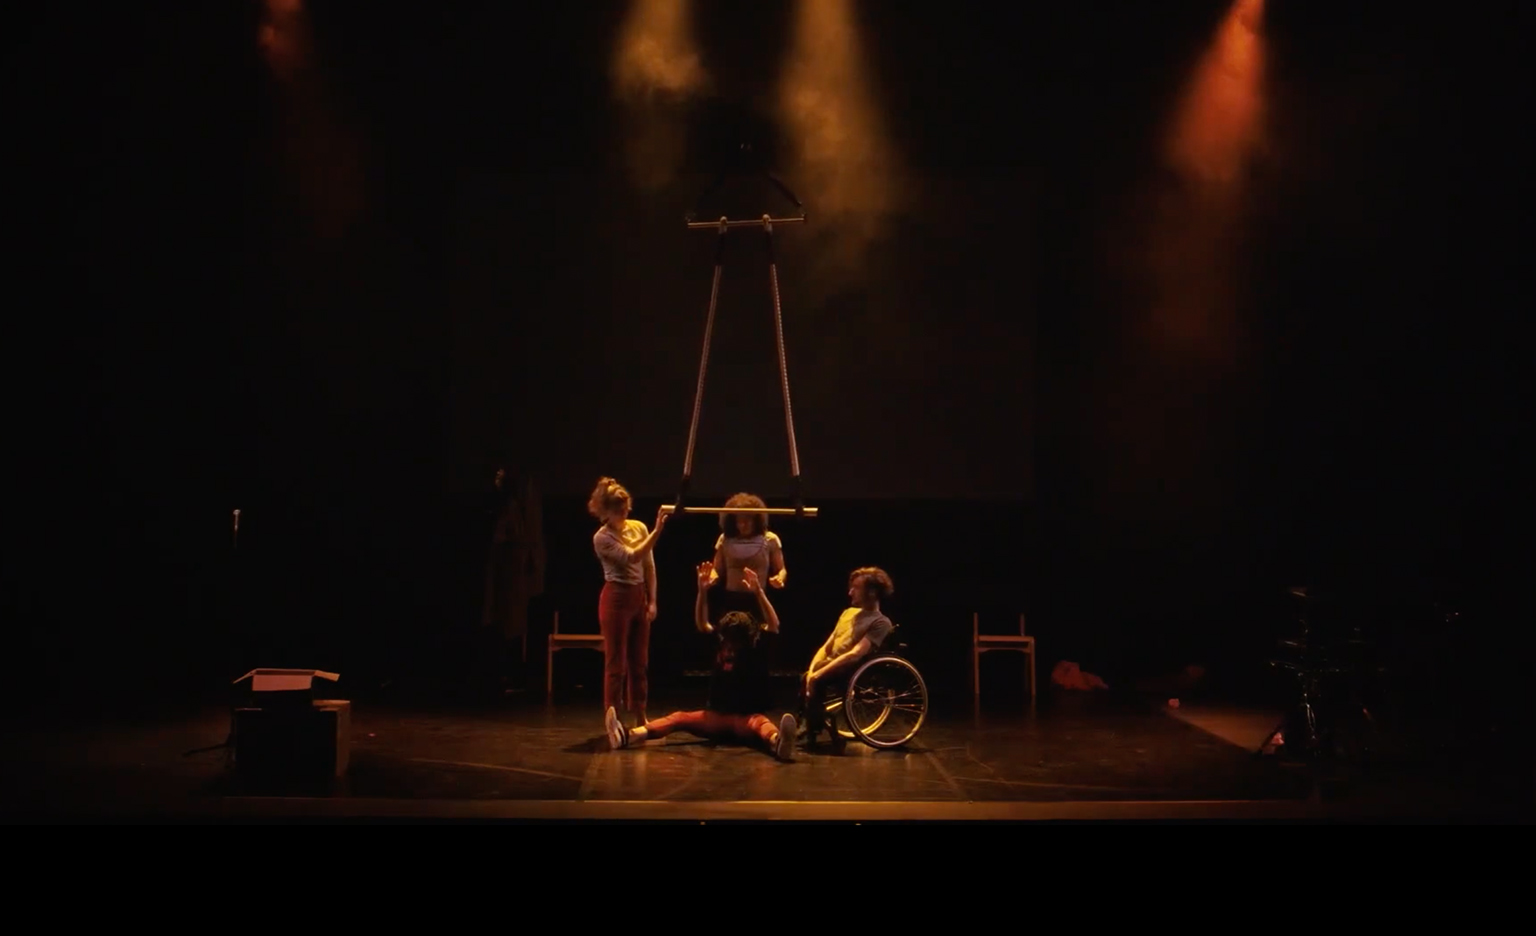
{"type": "Point", "coordinates": [746, 543]}
{"type": "Point", "coordinates": [628, 602]}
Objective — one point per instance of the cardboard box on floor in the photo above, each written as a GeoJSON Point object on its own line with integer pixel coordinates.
{"type": "Point", "coordinates": [281, 687]}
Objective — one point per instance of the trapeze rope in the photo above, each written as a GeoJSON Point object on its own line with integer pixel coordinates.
{"type": "Point", "coordinates": [778, 326]}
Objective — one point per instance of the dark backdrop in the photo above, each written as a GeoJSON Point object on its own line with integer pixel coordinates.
{"type": "Point", "coordinates": [332, 307]}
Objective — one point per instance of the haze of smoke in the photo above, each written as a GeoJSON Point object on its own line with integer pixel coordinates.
{"type": "Point", "coordinates": [285, 38]}
{"type": "Point", "coordinates": [323, 155]}
{"type": "Point", "coordinates": [843, 167]}
{"type": "Point", "coordinates": [1217, 133]}
{"type": "Point", "coordinates": [1221, 122]}
{"type": "Point", "coordinates": [656, 70]}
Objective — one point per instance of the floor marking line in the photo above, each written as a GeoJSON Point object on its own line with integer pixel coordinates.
{"type": "Point", "coordinates": [507, 767]}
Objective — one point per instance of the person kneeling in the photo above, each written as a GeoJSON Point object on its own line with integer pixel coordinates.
{"type": "Point", "coordinates": [859, 632]}
{"type": "Point", "coordinates": [738, 688]}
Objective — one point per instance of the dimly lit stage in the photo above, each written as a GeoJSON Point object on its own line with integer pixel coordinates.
{"type": "Point", "coordinates": [1104, 760]}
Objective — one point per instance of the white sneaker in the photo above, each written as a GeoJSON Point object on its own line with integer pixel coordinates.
{"type": "Point", "coordinates": [785, 749]}
{"type": "Point", "coordinates": [617, 736]}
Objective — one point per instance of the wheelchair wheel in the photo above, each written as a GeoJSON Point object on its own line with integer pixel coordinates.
{"type": "Point", "coordinates": [886, 702]}
{"type": "Point", "coordinates": [837, 718]}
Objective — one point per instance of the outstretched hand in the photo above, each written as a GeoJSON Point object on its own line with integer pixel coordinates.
{"type": "Point", "coordinates": [661, 519]}
{"type": "Point", "coordinates": [749, 579]}
{"type": "Point", "coordinates": [706, 572]}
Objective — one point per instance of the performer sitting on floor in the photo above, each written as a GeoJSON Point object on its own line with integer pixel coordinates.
{"type": "Point", "coordinates": [738, 689]}
{"type": "Point", "coordinates": [860, 631]}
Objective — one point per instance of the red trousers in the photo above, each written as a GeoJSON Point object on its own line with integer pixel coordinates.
{"type": "Point", "coordinates": [626, 645]}
{"type": "Point", "coordinates": [715, 726]}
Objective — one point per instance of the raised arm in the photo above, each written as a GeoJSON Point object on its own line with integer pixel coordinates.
{"type": "Point", "coordinates": [701, 600]}
{"type": "Point", "coordinates": [611, 547]}
{"type": "Point", "coordinates": [717, 570]}
{"type": "Point", "coordinates": [770, 616]}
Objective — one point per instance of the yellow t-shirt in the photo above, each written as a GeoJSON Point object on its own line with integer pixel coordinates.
{"type": "Point", "coordinates": [854, 625]}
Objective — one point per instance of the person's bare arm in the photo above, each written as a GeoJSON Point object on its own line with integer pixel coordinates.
{"type": "Point", "coordinates": [701, 600]}
{"type": "Point", "coordinates": [717, 570]}
{"type": "Point", "coordinates": [650, 583]}
{"type": "Point", "coordinates": [842, 661]}
{"type": "Point", "coordinates": [611, 547]}
{"type": "Point", "coordinates": [879, 631]}
{"type": "Point", "coordinates": [818, 666]}
{"type": "Point", "coordinates": [820, 659]}
{"type": "Point", "coordinates": [770, 616]}
{"type": "Point", "coordinates": [777, 573]}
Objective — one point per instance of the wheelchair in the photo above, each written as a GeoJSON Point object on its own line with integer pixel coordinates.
{"type": "Point", "coordinates": [885, 701]}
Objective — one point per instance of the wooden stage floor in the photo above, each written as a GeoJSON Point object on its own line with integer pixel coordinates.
{"type": "Point", "coordinates": [1109, 760]}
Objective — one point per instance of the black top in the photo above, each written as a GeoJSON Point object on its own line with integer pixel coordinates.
{"type": "Point", "coordinates": [739, 684]}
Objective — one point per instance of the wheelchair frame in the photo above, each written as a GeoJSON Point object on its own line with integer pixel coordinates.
{"type": "Point", "coordinates": [840, 705]}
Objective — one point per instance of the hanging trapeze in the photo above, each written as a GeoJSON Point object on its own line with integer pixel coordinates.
{"type": "Point", "coordinates": [723, 225]}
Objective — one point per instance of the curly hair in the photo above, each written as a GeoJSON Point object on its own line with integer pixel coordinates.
{"type": "Point", "coordinates": [744, 502]}
{"type": "Point", "coordinates": [877, 583]}
{"type": "Point", "coordinates": [739, 628]}
{"type": "Point", "coordinates": [607, 498]}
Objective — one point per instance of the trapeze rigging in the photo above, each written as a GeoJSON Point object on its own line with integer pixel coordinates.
{"type": "Point", "coordinates": [722, 226]}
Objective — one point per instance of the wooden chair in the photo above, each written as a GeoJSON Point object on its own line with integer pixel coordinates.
{"type": "Point", "coordinates": [985, 643]}
{"type": "Point", "coordinates": [559, 641]}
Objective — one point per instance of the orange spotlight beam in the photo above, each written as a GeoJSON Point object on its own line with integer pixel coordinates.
{"type": "Point", "coordinates": [1221, 118]}
{"type": "Point", "coordinates": [656, 51]}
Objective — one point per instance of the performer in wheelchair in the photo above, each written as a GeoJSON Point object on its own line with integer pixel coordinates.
{"type": "Point", "coordinates": [859, 632]}
{"type": "Point", "coordinates": [745, 543]}
{"type": "Point", "coordinates": [739, 688]}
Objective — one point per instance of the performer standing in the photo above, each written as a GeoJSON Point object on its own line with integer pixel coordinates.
{"type": "Point", "coordinates": [628, 602]}
{"type": "Point", "coordinates": [746, 543]}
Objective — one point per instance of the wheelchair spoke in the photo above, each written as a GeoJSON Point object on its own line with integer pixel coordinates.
{"type": "Point", "coordinates": [891, 695]}
{"type": "Point", "coordinates": [887, 703]}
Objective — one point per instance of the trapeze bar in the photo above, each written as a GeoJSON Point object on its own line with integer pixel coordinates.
{"type": "Point", "coordinates": [755, 222]}
{"type": "Point", "coordinates": [774, 511]}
